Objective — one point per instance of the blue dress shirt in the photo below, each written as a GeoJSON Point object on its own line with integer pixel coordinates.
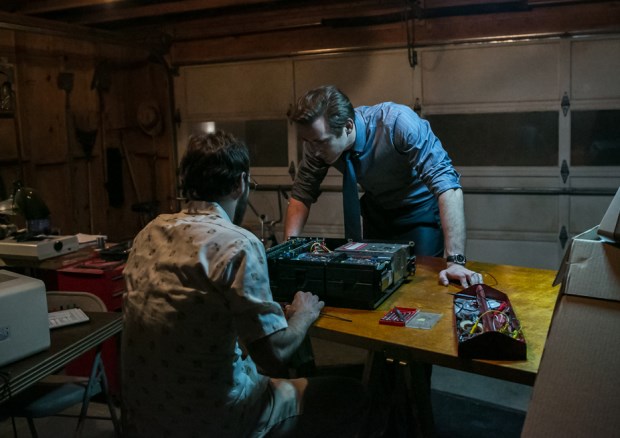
{"type": "Point", "coordinates": [400, 162]}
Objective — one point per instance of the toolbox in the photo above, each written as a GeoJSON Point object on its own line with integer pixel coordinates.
{"type": "Point", "coordinates": [358, 275]}
{"type": "Point", "coordinates": [105, 279]}
{"type": "Point", "coordinates": [486, 325]}
{"type": "Point", "coordinates": [99, 277]}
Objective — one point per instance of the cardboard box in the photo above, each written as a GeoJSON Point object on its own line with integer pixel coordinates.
{"type": "Point", "coordinates": [577, 390]}
{"type": "Point", "coordinates": [591, 267]}
{"type": "Point", "coordinates": [610, 225]}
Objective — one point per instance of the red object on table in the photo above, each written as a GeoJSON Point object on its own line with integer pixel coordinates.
{"type": "Point", "coordinates": [97, 276]}
{"type": "Point", "coordinates": [398, 316]}
{"type": "Point", "coordinates": [104, 279]}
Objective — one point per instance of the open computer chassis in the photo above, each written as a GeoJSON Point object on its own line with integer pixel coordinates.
{"type": "Point", "coordinates": [358, 275]}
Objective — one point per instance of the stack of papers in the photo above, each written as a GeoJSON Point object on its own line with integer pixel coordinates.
{"type": "Point", "coordinates": [89, 239]}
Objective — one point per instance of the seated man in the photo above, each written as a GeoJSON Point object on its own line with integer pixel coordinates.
{"type": "Point", "coordinates": [202, 332]}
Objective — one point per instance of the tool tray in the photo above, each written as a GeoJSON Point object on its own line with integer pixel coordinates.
{"type": "Point", "coordinates": [487, 326]}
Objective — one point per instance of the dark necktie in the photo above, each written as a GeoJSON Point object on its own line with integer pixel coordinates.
{"type": "Point", "coordinates": [350, 201]}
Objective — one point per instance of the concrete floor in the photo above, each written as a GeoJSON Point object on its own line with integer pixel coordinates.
{"type": "Point", "coordinates": [492, 391]}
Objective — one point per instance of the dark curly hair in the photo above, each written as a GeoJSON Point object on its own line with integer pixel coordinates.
{"type": "Point", "coordinates": [326, 101]}
{"type": "Point", "coordinates": [212, 165]}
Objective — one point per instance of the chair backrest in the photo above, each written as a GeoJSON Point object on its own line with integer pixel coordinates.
{"type": "Point", "coordinates": [58, 300]}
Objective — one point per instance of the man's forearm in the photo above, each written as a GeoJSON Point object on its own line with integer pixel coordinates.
{"type": "Point", "coordinates": [296, 217]}
{"type": "Point", "coordinates": [287, 341]}
{"type": "Point", "coordinates": [451, 210]}
{"type": "Point", "coordinates": [273, 352]}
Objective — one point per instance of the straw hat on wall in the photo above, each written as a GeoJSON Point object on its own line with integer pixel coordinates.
{"type": "Point", "coordinates": [150, 119]}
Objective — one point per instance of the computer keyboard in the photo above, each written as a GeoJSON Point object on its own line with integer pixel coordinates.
{"type": "Point", "coordinates": [63, 318]}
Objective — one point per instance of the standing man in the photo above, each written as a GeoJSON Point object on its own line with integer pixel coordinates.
{"type": "Point", "coordinates": [412, 191]}
{"type": "Point", "coordinates": [201, 330]}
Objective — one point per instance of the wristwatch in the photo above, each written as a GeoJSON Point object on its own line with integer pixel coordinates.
{"type": "Point", "coordinates": [459, 259]}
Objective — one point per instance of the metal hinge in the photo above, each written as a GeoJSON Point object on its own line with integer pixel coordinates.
{"type": "Point", "coordinates": [564, 171]}
{"type": "Point", "coordinates": [563, 236]}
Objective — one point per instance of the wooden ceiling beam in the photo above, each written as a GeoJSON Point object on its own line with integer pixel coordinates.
{"type": "Point", "coordinates": [21, 23]}
{"type": "Point", "coordinates": [558, 2]}
{"type": "Point", "coordinates": [286, 43]}
{"type": "Point", "coordinates": [44, 6]}
{"type": "Point", "coordinates": [292, 17]}
{"type": "Point", "coordinates": [162, 9]}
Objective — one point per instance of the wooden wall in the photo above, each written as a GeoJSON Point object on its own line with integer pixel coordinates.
{"type": "Point", "coordinates": [67, 85]}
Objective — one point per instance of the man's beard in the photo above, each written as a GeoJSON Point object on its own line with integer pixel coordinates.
{"type": "Point", "coordinates": [242, 205]}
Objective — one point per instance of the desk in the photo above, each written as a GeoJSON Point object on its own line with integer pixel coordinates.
{"type": "Point", "coordinates": [67, 343]}
{"type": "Point", "coordinates": [53, 263]}
{"type": "Point", "coordinates": [530, 291]}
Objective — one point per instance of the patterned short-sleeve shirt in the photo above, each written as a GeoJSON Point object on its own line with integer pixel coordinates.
{"type": "Point", "coordinates": [197, 292]}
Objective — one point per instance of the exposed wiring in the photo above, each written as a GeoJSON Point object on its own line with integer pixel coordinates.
{"type": "Point", "coordinates": [490, 275]}
{"type": "Point", "coordinates": [318, 247]}
{"type": "Point", "coordinates": [503, 318]}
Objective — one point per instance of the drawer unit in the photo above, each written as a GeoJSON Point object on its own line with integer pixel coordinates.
{"type": "Point", "coordinates": [104, 279]}
{"type": "Point", "coordinates": [97, 276]}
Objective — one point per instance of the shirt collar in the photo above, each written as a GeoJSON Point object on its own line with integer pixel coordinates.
{"type": "Point", "coordinates": [360, 134]}
{"type": "Point", "coordinates": [206, 207]}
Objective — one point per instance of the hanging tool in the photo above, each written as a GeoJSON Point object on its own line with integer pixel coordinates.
{"type": "Point", "coordinates": [64, 81]}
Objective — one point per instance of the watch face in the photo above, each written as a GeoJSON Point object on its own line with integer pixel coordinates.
{"type": "Point", "coordinates": [457, 258]}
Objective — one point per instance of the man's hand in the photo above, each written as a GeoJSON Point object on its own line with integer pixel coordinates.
{"type": "Point", "coordinates": [459, 273]}
{"type": "Point", "coordinates": [304, 304]}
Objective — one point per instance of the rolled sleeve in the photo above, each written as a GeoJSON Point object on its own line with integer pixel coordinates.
{"type": "Point", "coordinates": [310, 175]}
{"type": "Point", "coordinates": [414, 138]}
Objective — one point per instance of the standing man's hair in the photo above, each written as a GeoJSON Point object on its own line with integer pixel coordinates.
{"type": "Point", "coordinates": [326, 101]}
{"type": "Point", "coordinates": [212, 165]}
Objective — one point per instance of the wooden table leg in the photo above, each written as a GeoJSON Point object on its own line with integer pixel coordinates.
{"type": "Point", "coordinates": [420, 387]}
{"type": "Point", "coordinates": [401, 394]}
